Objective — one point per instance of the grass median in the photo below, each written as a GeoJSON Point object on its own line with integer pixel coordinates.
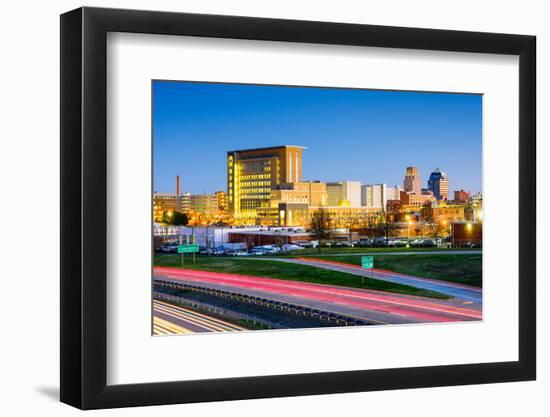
{"type": "Point", "coordinates": [293, 272]}
{"type": "Point", "coordinates": [462, 269]}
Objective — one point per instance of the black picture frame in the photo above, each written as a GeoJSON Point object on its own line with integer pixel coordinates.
{"type": "Point", "coordinates": [84, 207]}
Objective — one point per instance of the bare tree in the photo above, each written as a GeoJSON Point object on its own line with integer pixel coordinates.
{"type": "Point", "coordinates": [367, 221]}
{"type": "Point", "coordinates": [350, 222]}
{"type": "Point", "coordinates": [385, 224]}
{"type": "Point", "coordinates": [321, 225]}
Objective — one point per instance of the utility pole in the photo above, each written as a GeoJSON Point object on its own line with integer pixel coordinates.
{"type": "Point", "coordinates": [193, 241]}
{"type": "Point", "coordinates": [182, 262]}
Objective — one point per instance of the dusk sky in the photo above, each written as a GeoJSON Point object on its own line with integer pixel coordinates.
{"type": "Point", "coordinates": [350, 134]}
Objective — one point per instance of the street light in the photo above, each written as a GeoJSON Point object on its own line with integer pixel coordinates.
{"type": "Point", "coordinates": [409, 222]}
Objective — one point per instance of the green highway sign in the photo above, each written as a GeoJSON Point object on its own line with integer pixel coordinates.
{"type": "Point", "coordinates": [190, 248]}
{"type": "Point", "coordinates": [367, 262]}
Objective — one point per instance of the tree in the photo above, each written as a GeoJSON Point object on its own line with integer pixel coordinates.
{"type": "Point", "coordinates": [368, 222]}
{"type": "Point", "coordinates": [385, 223]}
{"type": "Point", "coordinates": [174, 218]}
{"type": "Point", "coordinates": [321, 225]}
{"type": "Point", "coordinates": [179, 219]}
{"type": "Point", "coordinates": [350, 222]}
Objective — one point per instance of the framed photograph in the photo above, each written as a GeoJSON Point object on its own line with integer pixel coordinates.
{"type": "Point", "coordinates": [257, 208]}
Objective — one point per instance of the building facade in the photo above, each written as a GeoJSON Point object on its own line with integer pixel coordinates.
{"type": "Point", "coordinates": [345, 193]}
{"type": "Point", "coordinates": [184, 202]}
{"type": "Point", "coordinates": [412, 182]}
{"type": "Point", "coordinates": [461, 196]}
{"type": "Point", "coordinates": [204, 204]}
{"type": "Point", "coordinates": [222, 201]}
{"type": "Point", "coordinates": [413, 199]}
{"type": "Point", "coordinates": [253, 173]}
{"type": "Point", "coordinates": [164, 202]}
{"type": "Point", "coordinates": [438, 184]}
{"type": "Point", "coordinates": [443, 213]}
{"type": "Point", "coordinates": [377, 195]}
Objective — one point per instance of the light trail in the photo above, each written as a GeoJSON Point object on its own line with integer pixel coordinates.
{"type": "Point", "coordinates": [418, 309]}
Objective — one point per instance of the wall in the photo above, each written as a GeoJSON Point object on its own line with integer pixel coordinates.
{"type": "Point", "coordinates": [29, 161]}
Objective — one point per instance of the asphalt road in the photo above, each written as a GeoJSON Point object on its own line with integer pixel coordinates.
{"type": "Point", "coordinates": [461, 291]}
{"type": "Point", "coordinates": [172, 319]}
{"type": "Point", "coordinates": [374, 306]}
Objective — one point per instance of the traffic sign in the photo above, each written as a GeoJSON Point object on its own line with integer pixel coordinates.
{"type": "Point", "coordinates": [188, 248]}
{"type": "Point", "coordinates": [367, 262]}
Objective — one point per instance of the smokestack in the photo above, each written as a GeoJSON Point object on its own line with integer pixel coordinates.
{"type": "Point", "coordinates": [177, 185]}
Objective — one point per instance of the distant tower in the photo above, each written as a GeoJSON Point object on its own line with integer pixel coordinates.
{"type": "Point", "coordinates": [411, 183]}
{"type": "Point", "coordinates": [438, 184]}
{"type": "Point", "coordinates": [177, 185]}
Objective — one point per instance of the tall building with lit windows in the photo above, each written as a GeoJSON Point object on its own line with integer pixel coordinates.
{"type": "Point", "coordinates": [253, 173]}
{"type": "Point", "coordinates": [438, 184]}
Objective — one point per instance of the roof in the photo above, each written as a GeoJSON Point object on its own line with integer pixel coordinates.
{"type": "Point", "coordinates": [268, 148]}
{"type": "Point", "coordinates": [438, 171]}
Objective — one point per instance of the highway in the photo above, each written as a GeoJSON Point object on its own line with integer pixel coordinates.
{"type": "Point", "coordinates": [374, 306]}
{"type": "Point", "coordinates": [461, 291]}
{"type": "Point", "coordinates": [172, 319]}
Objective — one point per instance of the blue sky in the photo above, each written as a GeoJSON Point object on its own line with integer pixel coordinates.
{"type": "Point", "coordinates": [350, 134]}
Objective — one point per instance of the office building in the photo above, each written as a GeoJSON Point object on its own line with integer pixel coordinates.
{"type": "Point", "coordinates": [345, 193]}
{"type": "Point", "coordinates": [443, 213]}
{"type": "Point", "coordinates": [461, 196]}
{"type": "Point", "coordinates": [253, 173]}
{"type": "Point", "coordinates": [289, 204]}
{"type": "Point", "coordinates": [411, 182]}
{"type": "Point", "coordinates": [438, 184]}
{"type": "Point", "coordinates": [184, 202]}
{"type": "Point", "coordinates": [413, 199]}
{"type": "Point", "coordinates": [222, 201]}
{"type": "Point", "coordinates": [204, 204]}
{"type": "Point", "coordinates": [164, 202]}
{"type": "Point", "coordinates": [377, 195]}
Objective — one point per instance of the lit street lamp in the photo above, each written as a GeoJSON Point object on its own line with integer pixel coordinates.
{"type": "Point", "coordinates": [409, 222]}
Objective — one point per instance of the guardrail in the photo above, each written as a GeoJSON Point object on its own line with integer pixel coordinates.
{"type": "Point", "coordinates": [224, 312]}
{"type": "Point", "coordinates": [337, 319]}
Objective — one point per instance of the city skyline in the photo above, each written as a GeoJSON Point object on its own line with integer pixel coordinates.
{"type": "Point", "coordinates": [375, 130]}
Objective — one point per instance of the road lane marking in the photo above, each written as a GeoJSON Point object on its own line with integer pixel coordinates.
{"type": "Point", "coordinates": [166, 327]}
{"type": "Point", "coordinates": [204, 323]}
{"type": "Point", "coordinates": [195, 313]}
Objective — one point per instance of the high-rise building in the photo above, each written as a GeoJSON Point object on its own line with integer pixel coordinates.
{"type": "Point", "coordinates": [345, 193]}
{"type": "Point", "coordinates": [438, 184]}
{"type": "Point", "coordinates": [411, 182]}
{"type": "Point", "coordinates": [253, 173]}
{"type": "Point", "coordinates": [377, 195]}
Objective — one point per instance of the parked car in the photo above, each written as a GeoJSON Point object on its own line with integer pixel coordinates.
{"type": "Point", "coordinates": [238, 252]}
{"type": "Point", "coordinates": [364, 243]}
{"type": "Point", "coordinates": [427, 243]}
{"type": "Point", "coordinates": [291, 246]}
{"type": "Point", "coordinates": [307, 243]}
{"type": "Point", "coordinates": [379, 242]}
{"type": "Point", "coordinates": [168, 248]}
